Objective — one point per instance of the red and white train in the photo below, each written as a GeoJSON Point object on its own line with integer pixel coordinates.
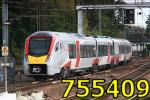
{"type": "Point", "coordinates": [49, 53]}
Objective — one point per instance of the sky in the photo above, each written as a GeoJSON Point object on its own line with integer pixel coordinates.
{"type": "Point", "coordinates": [140, 19]}
{"type": "Point", "coordinates": [132, 1]}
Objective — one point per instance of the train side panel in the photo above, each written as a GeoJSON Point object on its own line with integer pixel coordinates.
{"type": "Point", "coordinates": [103, 48]}
{"type": "Point", "coordinates": [87, 52]}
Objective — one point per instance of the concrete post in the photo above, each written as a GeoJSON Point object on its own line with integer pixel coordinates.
{"type": "Point", "coordinates": [100, 22]}
{"type": "Point", "coordinates": [80, 22]}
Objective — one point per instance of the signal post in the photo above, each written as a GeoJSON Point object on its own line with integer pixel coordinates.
{"type": "Point", "coordinates": [5, 50]}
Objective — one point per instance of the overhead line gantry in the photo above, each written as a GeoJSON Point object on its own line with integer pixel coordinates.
{"type": "Point", "coordinates": [81, 8]}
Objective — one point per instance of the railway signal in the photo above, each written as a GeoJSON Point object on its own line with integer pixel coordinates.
{"type": "Point", "coordinates": [129, 16]}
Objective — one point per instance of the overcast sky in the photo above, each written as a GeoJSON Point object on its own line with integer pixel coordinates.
{"type": "Point", "coordinates": [140, 19]}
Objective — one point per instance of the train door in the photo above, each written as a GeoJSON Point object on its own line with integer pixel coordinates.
{"type": "Point", "coordinates": [58, 53]}
{"type": "Point", "coordinates": [56, 58]}
{"type": "Point", "coordinates": [108, 51]}
{"type": "Point", "coordinates": [61, 54]}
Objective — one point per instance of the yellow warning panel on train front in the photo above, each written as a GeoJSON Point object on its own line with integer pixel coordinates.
{"type": "Point", "coordinates": [37, 60]}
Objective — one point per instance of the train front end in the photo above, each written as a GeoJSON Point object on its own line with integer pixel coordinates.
{"type": "Point", "coordinates": [37, 52]}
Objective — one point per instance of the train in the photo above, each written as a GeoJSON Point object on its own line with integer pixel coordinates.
{"type": "Point", "coordinates": [49, 53]}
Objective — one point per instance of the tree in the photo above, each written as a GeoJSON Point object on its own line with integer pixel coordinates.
{"type": "Point", "coordinates": [57, 15]}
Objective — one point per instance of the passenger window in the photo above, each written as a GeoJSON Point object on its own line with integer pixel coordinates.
{"type": "Point", "coordinates": [88, 51]}
{"type": "Point", "coordinates": [72, 51]}
{"type": "Point", "coordinates": [81, 51]}
{"type": "Point", "coordinates": [57, 46]}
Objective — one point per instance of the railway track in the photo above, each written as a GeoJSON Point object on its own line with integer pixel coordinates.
{"type": "Point", "coordinates": [134, 75]}
{"type": "Point", "coordinates": [135, 97]}
{"type": "Point", "coordinates": [30, 86]}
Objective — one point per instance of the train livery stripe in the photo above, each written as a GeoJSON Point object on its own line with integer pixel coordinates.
{"type": "Point", "coordinates": [68, 64]}
{"type": "Point", "coordinates": [115, 59]}
{"type": "Point", "coordinates": [27, 46]}
{"type": "Point", "coordinates": [51, 45]}
{"type": "Point", "coordinates": [78, 53]}
{"type": "Point", "coordinates": [95, 61]}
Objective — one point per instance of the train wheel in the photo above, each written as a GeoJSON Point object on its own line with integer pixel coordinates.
{"type": "Point", "coordinates": [57, 76]}
{"type": "Point", "coordinates": [37, 78]}
{"type": "Point", "coordinates": [91, 70]}
{"type": "Point", "coordinates": [96, 68]}
{"type": "Point", "coordinates": [65, 72]}
{"type": "Point", "coordinates": [40, 78]}
{"type": "Point", "coordinates": [117, 64]}
{"type": "Point", "coordinates": [124, 62]}
{"type": "Point", "coordinates": [103, 67]}
{"type": "Point", "coordinates": [99, 68]}
{"type": "Point", "coordinates": [112, 64]}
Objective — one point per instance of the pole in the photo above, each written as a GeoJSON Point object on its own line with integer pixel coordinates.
{"type": "Point", "coordinates": [124, 26]}
{"type": "Point", "coordinates": [100, 22]}
{"type": "Point", "coordinates": [37, 15]}
{"type": "Point", "coordinates": [4, 21]}
{"type": "Point", "coordinates": [80, 22]}
{"type": "Point", "coordinates": [5, 33]}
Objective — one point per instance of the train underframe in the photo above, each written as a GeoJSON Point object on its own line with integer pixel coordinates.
{"type": "Point", "coordinates": [39, 72]}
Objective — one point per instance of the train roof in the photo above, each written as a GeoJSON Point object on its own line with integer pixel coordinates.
{"type": "Point", "coordinates": [115, 40]}
{"type": "Point", "coordinates": [65, 35]}
{"type": "Point", "coordinates": [103, 39]}
{"type": "Point", "coordinates": [82, 38]}
{"type": "Point", "coordinates": [57, 34]}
